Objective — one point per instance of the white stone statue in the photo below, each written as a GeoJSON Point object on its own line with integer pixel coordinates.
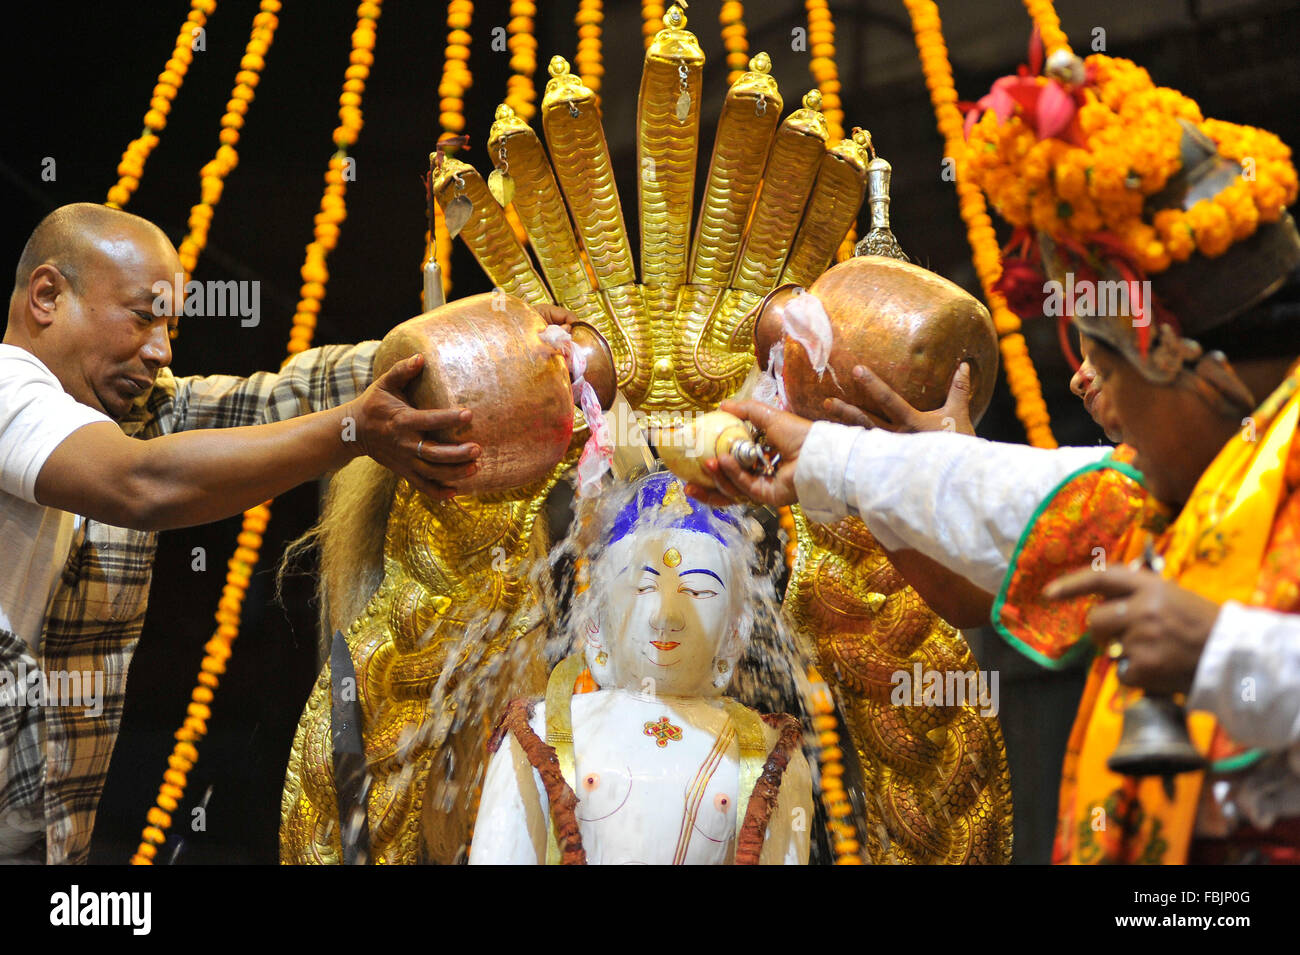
{"type": "Point", "coordinates": [662, 764]}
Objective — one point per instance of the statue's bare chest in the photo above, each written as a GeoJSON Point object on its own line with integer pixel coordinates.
{"type": "Point", "coordinates": [656, 780]}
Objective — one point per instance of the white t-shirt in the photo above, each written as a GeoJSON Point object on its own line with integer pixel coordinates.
{"type": "Point", "coordinates": [36, 415]}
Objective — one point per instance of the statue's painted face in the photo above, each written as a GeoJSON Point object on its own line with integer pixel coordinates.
{"type": "Point", "coordinates": [669, 625]}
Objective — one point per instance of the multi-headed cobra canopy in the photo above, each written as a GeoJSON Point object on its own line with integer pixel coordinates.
{"type": "Point", "coordinates": [777, 202]}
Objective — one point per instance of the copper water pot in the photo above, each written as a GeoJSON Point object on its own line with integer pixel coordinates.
{"type": "Point", "coordinates": [911, 327]}
{"type": "Point", "coordinates": [485, 353]}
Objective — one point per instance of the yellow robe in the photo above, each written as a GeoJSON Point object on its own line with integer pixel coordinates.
{"type": "Point", "coordinates": [1237, 538]}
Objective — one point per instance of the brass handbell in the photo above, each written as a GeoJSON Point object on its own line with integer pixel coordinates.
{"type": "Point", "coordinates": [1154, 740]}
{"type": "Point", "coordinates": [879, 240]}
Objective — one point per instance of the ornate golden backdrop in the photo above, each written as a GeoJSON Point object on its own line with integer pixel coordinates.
{"type": "Point", "coordinates": [778, 201]}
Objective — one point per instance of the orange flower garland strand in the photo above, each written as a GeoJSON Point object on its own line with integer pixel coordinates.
{"type": "Point", "coordinates": [456, 81]}
{"type": "Point", "coordinates": [652, 20]}
{"type": "Point", "coordinates": [734, 38]}
{"type": "Point", "coordinates": [333, 208]}
{"type": "Point", "coordinates": [1016, 363]}
{"type": "Point", "coordinates": [830, 756]}
{"type": "Point", "coordinates": [242, 563]}
{"type": "Point", "coordinates": [456, 77]}
{"type": "Point", "coordinates": [591, 70]}
{"type": "Point", "coordinates": [131, 167]}
{"type": "Point", "coordinates": [521, 94]}
{"type": "Point", "coordinates": [821, 44]}
{"type": "Point", "coordinates": [589, 59]}
{"type": "Point", "coordinates": [212, 176]}
{"type": "Point", "coordinates": [1043, 13]}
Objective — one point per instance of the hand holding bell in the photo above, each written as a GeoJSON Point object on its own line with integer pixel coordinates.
{"type": "Point", "coordinates": [1156, 631]}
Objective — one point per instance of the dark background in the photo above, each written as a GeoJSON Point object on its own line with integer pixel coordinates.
{"type": "Point", "coordinates": [79, 81]}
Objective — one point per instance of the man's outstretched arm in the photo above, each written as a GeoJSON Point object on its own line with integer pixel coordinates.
{"type": "Point", "coordinates": [958, 500]}
{"type": "Point", "coordinates": [194, 477]}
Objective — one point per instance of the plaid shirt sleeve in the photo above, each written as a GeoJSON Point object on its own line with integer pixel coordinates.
{"type": "Point", "coordinates": [97, 612]}
{"type": "Point", "coordinates": [312, 381]}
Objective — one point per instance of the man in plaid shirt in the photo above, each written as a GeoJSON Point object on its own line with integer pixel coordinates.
{"type": "Point", "coordinates": [82, 371]}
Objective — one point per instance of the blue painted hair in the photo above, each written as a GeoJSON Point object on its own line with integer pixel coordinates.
{"type": "Point", "coordinates": [650, 494]}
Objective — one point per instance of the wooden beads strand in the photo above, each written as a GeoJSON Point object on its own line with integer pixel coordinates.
{"type": "Point", "coordinates": [242, 563]}
{"type": "Point", "coordinates": [212, 176]}
{"type": "Point", "coordinates": [131, 166]}
{"type": "Point", "coordinates": [1022, 378]}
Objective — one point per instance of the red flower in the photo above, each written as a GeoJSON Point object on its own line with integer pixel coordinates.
{"type": "Point", "coordinates": [1049, 109]}
{"type": "Point", "coordinates": [1022, 284]}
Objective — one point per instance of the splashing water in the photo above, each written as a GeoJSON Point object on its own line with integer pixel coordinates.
{"type": "Point", "coordinates": [496, 658]}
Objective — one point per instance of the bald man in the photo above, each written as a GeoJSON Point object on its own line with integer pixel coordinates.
{"type": "Point", "coordinates": [83, 376]}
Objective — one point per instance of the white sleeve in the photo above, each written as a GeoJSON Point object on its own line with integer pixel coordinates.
{"type": "Point", "coordinates": [958, 499]}
{"type": "Point", "coordinates": [1249, 676]}
{"type": "Point", "coordinates": [36, 415]}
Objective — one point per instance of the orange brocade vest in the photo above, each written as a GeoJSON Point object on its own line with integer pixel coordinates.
{"type": "Point", "coordinates": [1237, 538]}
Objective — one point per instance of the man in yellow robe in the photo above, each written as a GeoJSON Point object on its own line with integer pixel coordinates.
{"type": "Point", "coordinates": [1188, 536]}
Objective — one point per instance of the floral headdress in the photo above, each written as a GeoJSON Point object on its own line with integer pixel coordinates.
{"type": "Point", "coordinates": [1107, 176]}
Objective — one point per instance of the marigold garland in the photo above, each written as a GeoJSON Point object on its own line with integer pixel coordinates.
{"type": "Point", "coordinates": [1016, 363]}
{"type": "Point", "coordinates": [456, 81]}
{"type": "Point", "coordinates": [652, 20]}
{"type": "Point", "coordinates": [734, 38]}
{"type": "Point", "coordinates": [589, 60]}
{"type": "Point", "coordinates": [521, 94]}
{"type": "Point", "coordinates": [456, 77]}
{"type": "Point", "coordinates": [131, 166]}
{"type": "Point", "coordinates": [821, 46]}
{"type": "Point", "coordinates": [835, 799]}
{"type": "Point", "coordinates": [1129, 150]}
{"type": "Point", "coordinates": [1043, 13]}
{"type": "Point", "coordinates": [242, 563]}
{"type": "Point", "coordinates": [213, 174]}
